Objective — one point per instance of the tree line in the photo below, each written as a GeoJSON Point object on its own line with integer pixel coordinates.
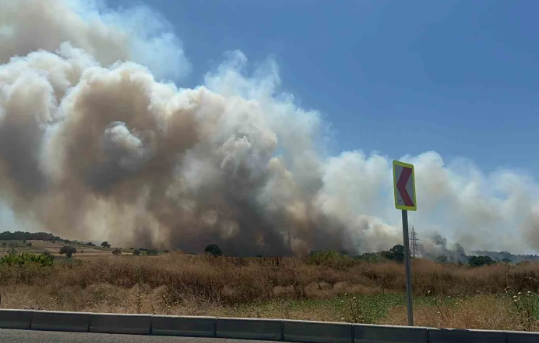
{"type": "Point", "coordinates": [35, 236]}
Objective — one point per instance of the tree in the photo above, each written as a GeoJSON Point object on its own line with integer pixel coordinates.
{"type": "Point", "coordinates": [136, 252]}
{"type": "Point", "coordinates": [116, 252]}
{"type": "Point", "coordinates": [213, 250]}
{"type": "Point", "coordinates": [90, 244]}
{"type": "Point", "coordinates": [68, 251]}
{"type": "Point", "coordinates": [105, 244]}
{"type": "Point", "coordinates": [478, 261]}
{"type": "Point", "coordinates": [395, 254]}
{"type": "Point", "coordinates": [506, 260]}
{"type": "Point", "coordinates": [29, 244]}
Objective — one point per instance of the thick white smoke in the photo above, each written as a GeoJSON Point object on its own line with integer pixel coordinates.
{"type": "Point", "coordinates": [94, 146]}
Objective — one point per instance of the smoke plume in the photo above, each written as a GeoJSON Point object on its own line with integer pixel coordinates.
{"type": "Point", "coordinates": [95, 144]}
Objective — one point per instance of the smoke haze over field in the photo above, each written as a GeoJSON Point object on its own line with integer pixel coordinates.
{"type": "Point", "coordinates": [94, 144]}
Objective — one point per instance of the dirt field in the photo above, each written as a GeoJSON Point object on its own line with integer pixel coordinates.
{"type": "Point", "coordinates": [446, 295]}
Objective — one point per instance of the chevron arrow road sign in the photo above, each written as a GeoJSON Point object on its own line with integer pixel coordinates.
{"type": "Point", "coordinates": [404, 186]}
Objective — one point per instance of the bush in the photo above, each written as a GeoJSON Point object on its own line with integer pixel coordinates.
{"type": "Point", "coordinates": [136, 252]}
{"type": "Point", "coordinates": [116, 252]}
{"type": "Point", "coordinates": [395, 254]}
{"type": "Point", "coordinates": [441, 259]}
{"type": "Point", "coordinates": [478, 261]}
{"type": "Point", "coordinates": [371, 257]}
{"type": "Point", "coordinates": [29, 244]}
{"type": "Point", "coordinates": [332, 259]}
{"type": "Point", "coordinates": [105, 244]}
{"type": "Point", "coordinates": [44, 259]}
{"type": "Point", "coordinates": [213, 250]}
{"type": "Point", "coordinates": [68, 251]}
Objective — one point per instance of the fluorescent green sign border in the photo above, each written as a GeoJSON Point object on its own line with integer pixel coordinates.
{"type": "Point", "coordinates": [395, 191]}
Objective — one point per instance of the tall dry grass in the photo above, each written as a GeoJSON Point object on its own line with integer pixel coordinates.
{"type": "Point", "coordinates": [184, 284]}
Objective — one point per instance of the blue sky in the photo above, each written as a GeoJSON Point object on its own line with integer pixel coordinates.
{"type": "Point", "coordinates": [397, 77]}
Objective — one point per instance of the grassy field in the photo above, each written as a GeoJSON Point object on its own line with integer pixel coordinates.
{"type": "Point", "coordinates": [37, 247]}
{"type": "Point", "coordinates": [499, 296]}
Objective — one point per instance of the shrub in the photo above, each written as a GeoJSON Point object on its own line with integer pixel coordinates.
{"type": "Point", "coordinates": [371, 257]}
{"type": "Point", "coordinates": [136, 252]}
{"type": "Point", "coordinates": [478, 261]}
{"type": "Point", "coordinates": [213, 250]}
{"type": "Point", "coordinates": [332, 259]}
{"type": "Point", "coordinates": [441, 259]}
{"type": "Point", "coordinates": [116, 252]}
{"type": "Point", "coordinates": [44, 259]}
{"type": "Point", "coordinates": [105, 244]}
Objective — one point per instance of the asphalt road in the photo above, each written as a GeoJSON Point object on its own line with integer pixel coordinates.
{"type": "Point", "coordinates": [31, 336]}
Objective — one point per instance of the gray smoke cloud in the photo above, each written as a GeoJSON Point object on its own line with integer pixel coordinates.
{"type": "Point", "coordinates": [95, 145]}
{"type": "Point", "coordinates": [434, 246]}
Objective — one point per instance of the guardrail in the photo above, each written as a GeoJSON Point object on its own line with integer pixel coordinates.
{"type": "Point", "coordinates": [243, 328]}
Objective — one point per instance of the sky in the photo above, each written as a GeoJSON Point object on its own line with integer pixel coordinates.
{"type": "Point", "coordinates": [395, 77]}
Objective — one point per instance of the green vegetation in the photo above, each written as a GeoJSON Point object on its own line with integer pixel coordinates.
{"type": "Point", "coordinates": [478, 261]}
{"type": "Point", "coordinates": [395, 254]}
{"type": "Point", "coordinates": [213, 250]}
{"type": "Point", "coordinates": [527, 306]}
{"type": "Point", "coordinates": [46, 260]}
{"type": "Point", "coordinates": [22, 236]}
{"type": "Point", "coordinates": [332, 259]}
{"type": "Point", "coordinates": [68, 251]}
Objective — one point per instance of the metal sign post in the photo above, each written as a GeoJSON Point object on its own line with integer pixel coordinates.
{"type": "Point", "coordinates": [409, 305]}
{"type": "Point", "coordinates": [405, 200]}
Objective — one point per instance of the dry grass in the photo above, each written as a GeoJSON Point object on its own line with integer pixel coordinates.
{"type": "Point", "coordinates": [447, 295]}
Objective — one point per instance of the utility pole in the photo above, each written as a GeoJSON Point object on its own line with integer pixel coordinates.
{"type": "Point", "coordinates": [414, 246]}
{"type": "Point", "coordinates": [289, 240]}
